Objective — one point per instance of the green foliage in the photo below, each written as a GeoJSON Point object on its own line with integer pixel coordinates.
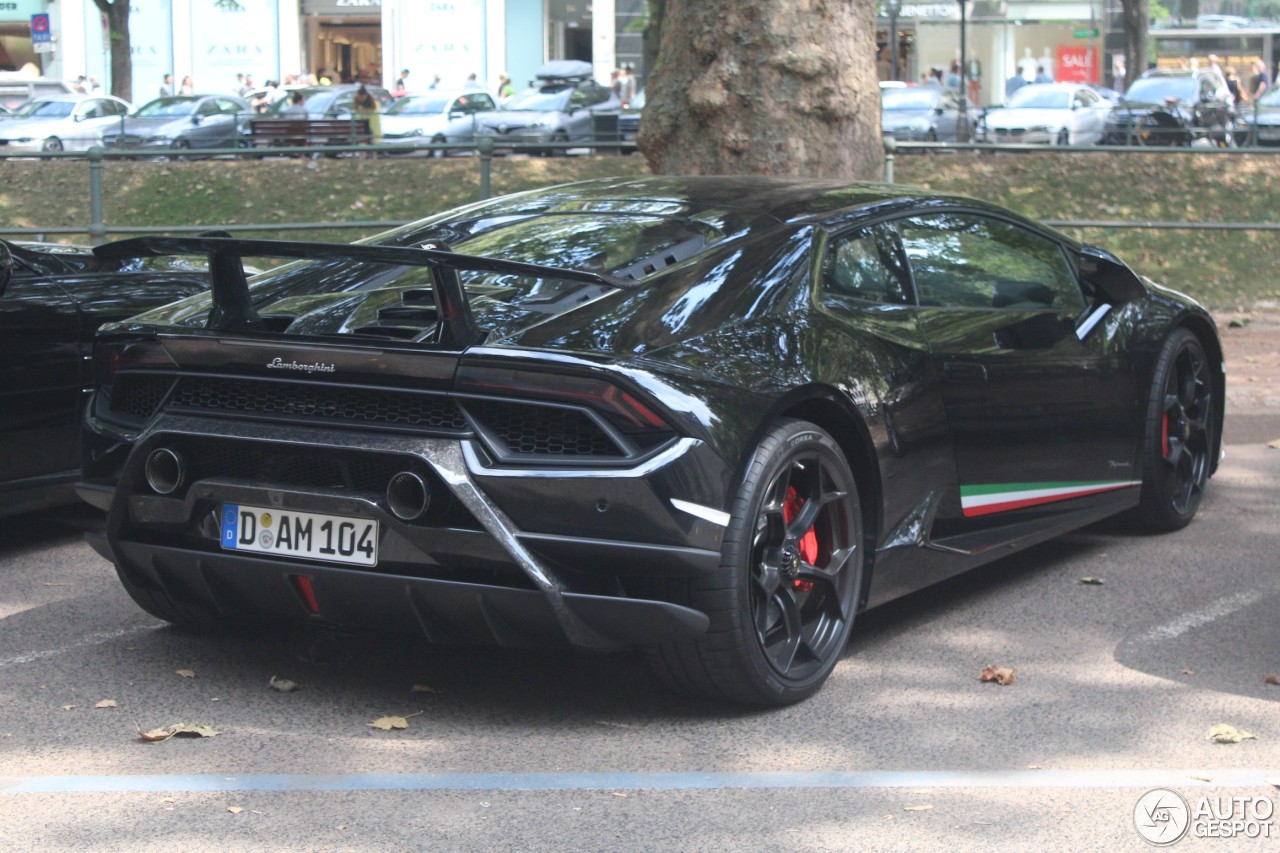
{"type": "Point", "coordinates": [1223, 268]}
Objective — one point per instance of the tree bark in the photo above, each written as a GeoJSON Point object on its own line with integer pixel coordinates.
{"type": "Point", "coordinates": [1135, 14]}
{"type": "Point", "coordinates": [117, 13]}
{"type": "Point", "coordinates": [770, 87]}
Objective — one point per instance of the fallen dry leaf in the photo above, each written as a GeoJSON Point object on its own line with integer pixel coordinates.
{"type": "Point", "coordinates": [1188, 672]}
{"type": "Point", "coordinates": [423, 688]}
{"type": "Point", "coordinates": [175, 730]}
{"type": "Point", "coordinates": [1000, 675]}
{"type": "Point", "coordinates": [1223, 733]}
{"type": "Point", "coordinates": [234, 809]}
{"type": "Point", "coordinates": [618, 794]}
{"type": "Point", "coordinates": [1035, 766]}
{"type": "Point", "coordinates": [282, 685]}
{"type": "Point", "coordinates": [107, 703]}
{"type": "Point", "coordinates": [67, 707]}
{"type": "Point", "coordinates": [186, 673]}
{"type": "Point", "coordinates": [386, 724]}
{"type": "Point", "coordinates": [1274, 445]}
{"type": "Point", "coordinates": [1200, 777]}
{"type": "Point", "coordinates": [924, 808]}
{"type": "Point", "coordinates": [1271, 678]}
{"type": "Point", "coordinates": [1091, 581]}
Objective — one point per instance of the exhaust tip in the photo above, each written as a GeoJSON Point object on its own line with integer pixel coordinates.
{"type": "Point", "coordinates": [166, 471]}
{"type": "Point", "coordinates": [408, 496]}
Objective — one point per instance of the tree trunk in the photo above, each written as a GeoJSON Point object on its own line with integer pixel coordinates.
{"type": "Point", "coordinates": [1135, 14]}
{"type": "Point", "coordinates": [117, 13]}
{"type": "Point", "coordinates": [770, 87]}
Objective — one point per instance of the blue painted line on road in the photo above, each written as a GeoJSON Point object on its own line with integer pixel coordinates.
{"type": "Point", "coordinates": [1228, 778]}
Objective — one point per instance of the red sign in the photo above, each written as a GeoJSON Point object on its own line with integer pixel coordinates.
{"type": "Point", "coordinates": [1077, 65]}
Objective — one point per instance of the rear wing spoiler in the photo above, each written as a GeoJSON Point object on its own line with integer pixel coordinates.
{"type": "Point", "coordinates": [233, 309]}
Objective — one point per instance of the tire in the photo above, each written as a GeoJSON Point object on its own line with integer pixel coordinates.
{"type": "Point", "coordinates": [1064, 137]}
{"type": "Point", "coordinates": [438, 153]}
{"type": "Point", "coordinates": [782, 602]}
{"type": "Point", "coordinates": [53, 143]}
{"type": "Point", "coordinates": [1178, 439]}
{"type": "Point", "coordinates": [559, 138]}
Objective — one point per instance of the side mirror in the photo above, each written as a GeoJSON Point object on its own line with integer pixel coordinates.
{"type": "Point", "coordinates": [1110, 275]}
{"type": "Point", "coordinates": [6, 265]}
{"type": "Point", "coordinates": [196, 119]}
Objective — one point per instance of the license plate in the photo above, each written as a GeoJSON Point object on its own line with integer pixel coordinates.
{"type": "Point", "coordinates": [1269, 133]}
{"type": "Point", "coordinates": [309, 535]}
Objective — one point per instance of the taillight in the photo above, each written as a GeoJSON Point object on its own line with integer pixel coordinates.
{"type": "Point", "coordinates": [623, 409]}
{"type": "Point", "coordinates": [110, 357]}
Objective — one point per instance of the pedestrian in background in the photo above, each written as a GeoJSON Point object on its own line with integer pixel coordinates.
{"type": "Point", "coordinates": [367, 108]}
{"type": "Point", "coordinates": [166, 86]}
{"type": "Point", "coordinates": [505, 89]}
{"type": "Point", "coordinates": [1261, 82]}
{"type": "Point", "coordinates": [187, 87]}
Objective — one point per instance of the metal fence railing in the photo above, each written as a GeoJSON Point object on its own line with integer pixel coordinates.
{"type": "Point", "coordinates": [484, 150]}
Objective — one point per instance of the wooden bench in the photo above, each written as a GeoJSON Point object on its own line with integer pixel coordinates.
{"type": "Point", "coordinates": [305, 132]}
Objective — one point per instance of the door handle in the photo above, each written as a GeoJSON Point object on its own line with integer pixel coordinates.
{"type": "Point", "coordinates": [964, 371]}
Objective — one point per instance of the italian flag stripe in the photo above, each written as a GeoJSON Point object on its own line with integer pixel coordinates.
{"type": "Point", "coordinates": [1002, 497]}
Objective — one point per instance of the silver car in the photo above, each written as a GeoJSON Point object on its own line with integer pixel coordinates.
{"type": "Point", "coordinates": [61, 123]}
{"type": "Point", "coordinates": [1052, 113]}
{"type": "Point", "coordinates": [434, 117]}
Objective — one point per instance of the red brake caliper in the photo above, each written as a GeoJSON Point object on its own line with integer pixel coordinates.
{"type": "Point", "coordinates": [1164, 435]}
{"type": "Point", "coordinates": [808, 542]}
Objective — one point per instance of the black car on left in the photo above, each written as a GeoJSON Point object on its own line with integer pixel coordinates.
{"type": "Point", "coordinates": [52, 300]}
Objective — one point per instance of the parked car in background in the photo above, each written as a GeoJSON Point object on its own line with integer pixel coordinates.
{"type": "Point", "coordinates": [61, 123]}
{"type": "Point", "coordinates": [16, 89]}
{"type": "Point", "coordinates": [435, 117]}
{"type": "Point", "coordinates": [1259, 122]}
{"type": "Point", "coordinates": [1052, 113]}
{"type": "Point", "coordinates": [713, 418]}
{"type": "Point", "coordinates": [337, 101]}
{"type": "Point", "coordinates": [920, 113]}
{"type": "Point", "coordinates": [179, 123]}
{"type": "Point", "coordinates": [559, 109]}
{"type": "Point", "coordinates": [1174, 107]}
{"type": "Point", "coordinates": [629, 121]}
{"type": "Point", "coordinates": [52, 300]}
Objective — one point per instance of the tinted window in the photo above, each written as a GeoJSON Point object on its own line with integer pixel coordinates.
{"type": "Point", "coordinates": [971, 261]}
{"type": "Point", "coordinates": [865, 266]}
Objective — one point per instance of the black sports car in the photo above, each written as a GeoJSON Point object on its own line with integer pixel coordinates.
{"type": "Point", "coordinates": [52, 300]}
{"type": "Point", "coordinates": [713, 417]}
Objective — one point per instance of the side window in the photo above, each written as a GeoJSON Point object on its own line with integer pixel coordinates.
{"type": "Point", "coordinates": [962, 260]}
{"type": "Point", "coordinates": [207, 108]}
{"type": "Point", "coordinates": [481, 101]}
{"type": "Point", "coordinates": [578, 99]}
{"type": "Point", "coordinates": [113, 108]}
{"type": "Point", "coordinates": [866, 266]}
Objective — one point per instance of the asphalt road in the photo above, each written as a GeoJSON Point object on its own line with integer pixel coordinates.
{"type": "Point", "coordinates": [1116, 687]}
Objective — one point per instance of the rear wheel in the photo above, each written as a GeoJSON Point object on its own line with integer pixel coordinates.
{"type": "Point", "coordinates": [1064, 137]}
{"type": "Point", "coordinates": [438, 153]}
{"type": "Point", "coordinates": [1179, 437]}
{"type": "Point", "coordinates": [782, 604]}
{"type": "Point", "coordinates": [53, 143]}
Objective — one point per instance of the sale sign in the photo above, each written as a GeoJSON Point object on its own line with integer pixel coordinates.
{"type": "Point", "coordinates": [1077, 64]}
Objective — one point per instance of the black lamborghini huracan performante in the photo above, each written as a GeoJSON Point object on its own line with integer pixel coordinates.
{"type": "Point", "coordinates": [712, 417]}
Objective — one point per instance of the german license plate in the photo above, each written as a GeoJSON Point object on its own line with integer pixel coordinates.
{"type": "Point", "coordinates": [309, 535]}
{"type": "Point", "coordinates": [1269, 133]}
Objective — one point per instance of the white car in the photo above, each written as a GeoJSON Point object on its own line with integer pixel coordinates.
{"type": "Point", "coordinates": [1052, 113]}
{"type": "Point", "coordinates": [434, 117]}
{"type": "Point", "coordinates": [61, 123]}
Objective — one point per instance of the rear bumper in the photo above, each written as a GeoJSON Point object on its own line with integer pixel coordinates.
{"type": "Point", "coordinates": [515, 556]}
{"type": "Point", "coordinates": [243, 587]}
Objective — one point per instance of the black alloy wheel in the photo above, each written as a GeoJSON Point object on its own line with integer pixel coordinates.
{"type": "Point", "coordinates": [1179, 438]}
{"type": "Point", "coordinates": [783, 604]}
{"type": "Point", "coordinates": [1064, 137]}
